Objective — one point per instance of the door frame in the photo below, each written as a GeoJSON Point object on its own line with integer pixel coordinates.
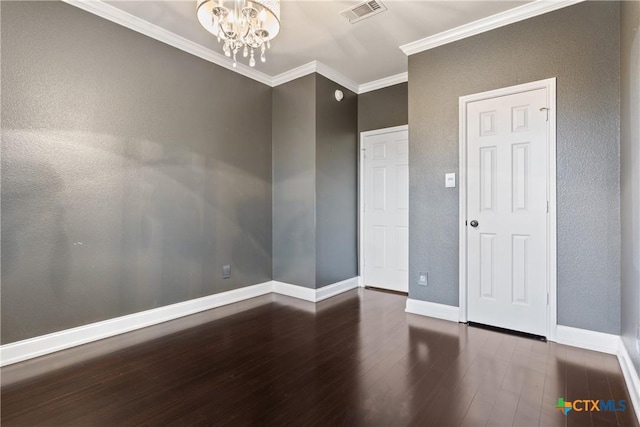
{"type": "Point", "coordinates": [361, 161]}
{"type": "Point", "coordinates": [550, 86]}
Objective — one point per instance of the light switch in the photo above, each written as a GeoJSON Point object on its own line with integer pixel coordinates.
{"type": "Point", "coordinates": [449, 180]}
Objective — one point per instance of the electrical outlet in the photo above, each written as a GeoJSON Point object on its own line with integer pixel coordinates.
{"type": "Point", "coordinates": [226, 271]}
{"type": "Point", "coordinates": [422, 278]}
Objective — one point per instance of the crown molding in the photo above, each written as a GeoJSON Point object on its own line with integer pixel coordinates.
{"type": "Point", "coordinates": [332, 74]}
{"type": "Point", "coordinates": [134, 23]}
{"type": "Point", "coordinates": [294, 73]}
{"type": "Point", "coordinates": [315, 67]}
{"type": "Point", "coordinates": [384, 82]}
{"type": "Point", "coordinates": [489, 23]}
{"type": "Point", "coordinates": [113, 14]}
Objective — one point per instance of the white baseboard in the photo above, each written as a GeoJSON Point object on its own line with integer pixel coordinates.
{"type": "Point", "coordinates": [294, 291]}
{"type": "Point", "coordinates": [315, 295]}
{"type": "Point", "coordinates": [45, 344]}
{"type": "Point", "coordinates": [336, 288]}
{"type": "Point", "coordinates": [432, 309]}
{"type": "Point", "coordinates": [631, 377]}
{"type": "Point", "coordinates": [590, 340]}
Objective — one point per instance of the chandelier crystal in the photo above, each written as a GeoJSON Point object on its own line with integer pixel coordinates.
{"type": "Point", "coordinates": [241, 25]}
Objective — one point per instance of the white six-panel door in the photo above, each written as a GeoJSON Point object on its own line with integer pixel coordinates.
{"type": "Point", "coordinates": [385, 219]}
{"type": "Point", "coordinates": [507, 251]}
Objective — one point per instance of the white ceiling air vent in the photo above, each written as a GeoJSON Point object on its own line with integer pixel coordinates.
{"type": "Point", "coordinates": [363, 10]}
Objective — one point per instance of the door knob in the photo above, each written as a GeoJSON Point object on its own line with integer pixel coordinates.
{"type": "Point", "coordinates": [473, 223]}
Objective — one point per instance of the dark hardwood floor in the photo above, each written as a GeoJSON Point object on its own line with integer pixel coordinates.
{"type": "Point", "coordinates": [355, 359]}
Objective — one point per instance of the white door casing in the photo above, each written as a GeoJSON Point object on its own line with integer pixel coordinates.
{"type": "Point", "coordinates": [384, 195]}
{"type": "Point", "coordinates": [507, 262]}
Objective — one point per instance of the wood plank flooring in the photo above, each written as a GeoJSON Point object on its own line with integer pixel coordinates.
{"type": "Point", "coordinates": [354, 360]}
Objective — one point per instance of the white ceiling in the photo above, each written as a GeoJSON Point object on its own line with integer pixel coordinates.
{"type": "Point", "coordinates": [315, 31]}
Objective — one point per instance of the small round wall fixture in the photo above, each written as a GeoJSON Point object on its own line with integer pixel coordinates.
{"type": "Point", "coordinates": [339, 95]}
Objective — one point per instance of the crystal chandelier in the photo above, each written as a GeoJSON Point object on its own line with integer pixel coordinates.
{"type": "Point", "coordinates": [241, 25]}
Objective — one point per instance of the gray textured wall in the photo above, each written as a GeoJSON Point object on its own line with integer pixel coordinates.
{"type": "Point", "coordinates": [294, 182]}
{"type": "Point", "coordinates": [314, 183]}
{"type": "Point", "coordinates": [128, 179]}
{"type": "Point", "coordinates": [630, 174]}
{"type": "Point", "coordinates": [336, 183]}
{"type": "Point", "coordinates": [383, 108]}
{"type": "Point", "coordinates": [580, 46]}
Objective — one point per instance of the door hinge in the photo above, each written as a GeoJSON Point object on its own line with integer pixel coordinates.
{"type": "Point", "coordinates": [364, 152]}
{"type": "Point", "coordinates": [546, 110]}
{"type": "Point", "coordinates": [547, 206]}
{"type": "Point", "coordinates": [547, 298]}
